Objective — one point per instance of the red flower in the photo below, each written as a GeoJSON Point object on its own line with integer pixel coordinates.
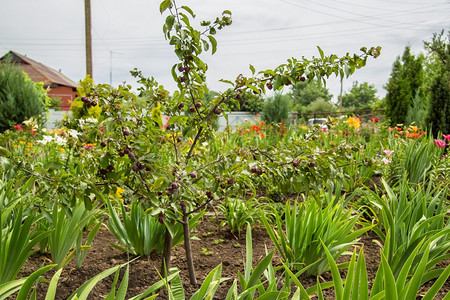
{"type": "Point", "coordinates": [18, 127]}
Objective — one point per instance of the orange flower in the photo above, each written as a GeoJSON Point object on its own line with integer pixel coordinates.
{"type": "Point", "coordinates": [256, 128]}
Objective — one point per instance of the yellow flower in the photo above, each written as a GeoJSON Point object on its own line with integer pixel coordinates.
{"type": "Point", "coordinates": [61, 149]}
{"type": "Point", "coordinates": [119, 192]}
{"type": "Point", "coordinates": [354, 122]}
{"type": "Point", "coordinates": [22, 142]}
{"type": "Point", "coordinates": [27, 149]}
{"type": "Point", "coordinates": [29, 144]}
{"type": "Point", "coordinates": [414, 128]}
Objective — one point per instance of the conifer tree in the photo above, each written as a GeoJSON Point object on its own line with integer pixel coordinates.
{"type": "Point", "coordinates": [404, 84]}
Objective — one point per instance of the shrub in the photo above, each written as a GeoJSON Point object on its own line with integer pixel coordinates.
{"type": "Point", "coordinates": [276, 109]}
{"type": "Point", "coordinates": [20, 98]}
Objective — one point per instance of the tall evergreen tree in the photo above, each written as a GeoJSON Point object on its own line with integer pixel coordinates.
{"type": "Point", "coordinates": [404, 84]}
{"type": "Point", "coordinates": [438, 116]}
{"type": "Point", "coordinates": [20, 98]}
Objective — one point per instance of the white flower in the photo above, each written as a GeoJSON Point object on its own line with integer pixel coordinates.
{"type": "Point", "coordinates": [91, 120]}
{"type": "Point", "coordinates": [45, 139]}
{"type": "Point", "coordinates": [386, 161]}
{"type": "Point", "coordinates": [60, 141]}
{"type": "Point", "coordinates": [73, 133]}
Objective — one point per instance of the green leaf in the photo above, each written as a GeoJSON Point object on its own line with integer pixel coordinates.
{"type": "Point", "coordinates": [51, 291]}
{"type": "Point", "coordinates": [169, 22]}
{"type": "Point", "coordinates": [28, 284]}
{"type": "Point", "coordinates": [321, 52]}
{"type": "Point", "coordinates": [121, 293]}
{"type": "Point", "coordinates": [253, 69]}
{"type": "Point", "coordinates": [437, 284]}
{"type": "Point", "coordinates": [4, 152]}
{"type": "Point", "coordinates": [213, 42]}
{"type": "Point", "coordinates": [164, 5]}
{"type": "Point", "coordinates": [389, 280]}
{"type": "Point", "coordinates": [205, 45]}
{"type": "Point", "coordinates": [338, 287]}
{"type": "Point", "coordinates": [189, 10]}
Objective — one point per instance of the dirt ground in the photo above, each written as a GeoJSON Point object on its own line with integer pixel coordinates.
{"type": "Point", "coordinates": [214, 246]}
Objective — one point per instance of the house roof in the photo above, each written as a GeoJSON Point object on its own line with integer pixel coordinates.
{"type": "Point", "coordinates": [39, 72]}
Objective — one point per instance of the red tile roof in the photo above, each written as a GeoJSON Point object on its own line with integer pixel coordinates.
{"type": "Point", "coordinates": [39, 72]}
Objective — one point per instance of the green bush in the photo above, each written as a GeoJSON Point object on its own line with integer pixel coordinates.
{"type": "Point", "coordinates": [20, 98]}
{"type": "Point", "coordinates": [248, 102]}
{"type": "Point", "coordinates": [276, 109]}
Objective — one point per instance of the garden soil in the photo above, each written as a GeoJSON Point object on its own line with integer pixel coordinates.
{"type": "Point", "coordinates": [213, 245]}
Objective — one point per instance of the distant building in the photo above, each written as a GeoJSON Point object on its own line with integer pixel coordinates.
{"type": "Point", "coordinates": [57, 84]}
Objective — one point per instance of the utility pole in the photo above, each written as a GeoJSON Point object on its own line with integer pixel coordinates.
{"type": "Point", "coordinates": [87, 20]}
{"type": "Point", "coordinates": [340, 95]}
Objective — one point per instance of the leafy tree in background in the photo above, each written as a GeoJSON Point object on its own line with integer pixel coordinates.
{"type": "Point", "coordinates": [320, 105]}
{"type": "Point", "coordinates": [248, 102]}
{"type": "Point", "coordinates": [304, 93]}
{"type": "Point", "coordinates": [361, 96]}
{"type": "Point", "coordinates": [276, 108]}
{"type": "Point", "coordinates": [405, 83]}
{"type": "Point", "coordinates": [20, 98]}
{"type": "Point", "coordinates": [438, 116]}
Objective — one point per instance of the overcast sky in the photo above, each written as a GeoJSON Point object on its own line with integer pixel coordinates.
{"type": "Point", "coordinates": [265, 33]}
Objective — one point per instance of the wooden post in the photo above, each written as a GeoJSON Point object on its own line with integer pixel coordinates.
{"type": "Point", "coordinates": [87, 20]}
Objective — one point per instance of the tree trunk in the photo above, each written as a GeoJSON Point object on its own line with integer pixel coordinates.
{"type": "Point", "coordinates": [167, 251]}
{"type": "Point", "coordinates": [187, 248]}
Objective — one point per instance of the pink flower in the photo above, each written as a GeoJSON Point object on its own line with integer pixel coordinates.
{"type": "Point", "coordinates": [446, 137]}
{"type": "Point", "coordinates": [386, 161]}
{"type": "Point", "coordinates": [245, 120]}
{"type": "Point", "coordinates": [440, 143]}
{"type": "Point", "coordinates": [388, 152]}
